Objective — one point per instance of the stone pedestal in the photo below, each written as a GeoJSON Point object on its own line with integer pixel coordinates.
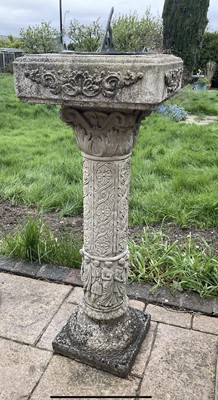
{"type": "Point", "coordinates": [104, 332]}
{"type": "Point", "coordinates": [103, 98]}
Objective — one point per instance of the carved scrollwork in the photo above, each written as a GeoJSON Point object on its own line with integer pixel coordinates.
{"type": "Point", "coordinates": [82, 82]}
{"type": "Point", "coordinates": [103, 134]}
{"type": "Point", "coordinates": [173, 80]}
{"type": "Point", "coordinates": [106, 206]}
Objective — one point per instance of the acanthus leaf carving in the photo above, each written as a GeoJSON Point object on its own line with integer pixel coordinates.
{"type": "Point", "coordinates": [103, 134]}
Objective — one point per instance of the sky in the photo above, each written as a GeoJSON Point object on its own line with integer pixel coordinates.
{"type": "Point", "coordinates": [17, 14]}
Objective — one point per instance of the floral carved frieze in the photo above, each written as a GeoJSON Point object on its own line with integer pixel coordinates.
{"type": "Point", "coordinates": [173, 80]}
{"type": "Point", "coordinates": [82, 82]}
{"type": "Point", "coordinates": [103, 134]}
{"type": "Point", "coordinates": [106, 188]}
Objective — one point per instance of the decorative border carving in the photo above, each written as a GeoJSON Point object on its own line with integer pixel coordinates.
{"type": "Point", "coordinates": [173, 80]}
{"type": "Point", "coordinates": [82, 82]}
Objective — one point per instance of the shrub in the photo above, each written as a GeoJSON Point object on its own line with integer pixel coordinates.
{"type": "Point", "coordinates": [175, 112]}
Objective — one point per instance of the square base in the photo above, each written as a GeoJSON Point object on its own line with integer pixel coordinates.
{"type": "Point", "coordinates": [111, 346]}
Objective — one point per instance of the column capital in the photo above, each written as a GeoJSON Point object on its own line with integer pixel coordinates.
{"type": "Point", "coordinates": [103, 134]}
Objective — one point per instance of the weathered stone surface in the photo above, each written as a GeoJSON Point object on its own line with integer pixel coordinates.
{"type": "Point", "coordinates": [194, 302]}
{"type": "Point", "coordinates": [106, 140]}
{"type": "Point", "coordinates": [26, 268]}
{"type": "Point", "coordinates": [182, 365]}
{"type": "Point", "coordinates": [144, 352]}
{"type": "Point", "coordinates": [65, 377]}
{"type": "Point", "coordinates": [143, 291]}
{"type": "Point", "coordinates": [205, 324]}
{"type": "Point", "coordinates": [74, 278]}
{"type": "Point", "coordinates": [215, 307]}
{"type": "Point", "coordinates": [75, 296]}
{"type": "Point", "coordinates": [59, 320]}
{"type": "Point", "coordinates": [96, 80]}
{"type": "Point", "coordinates": [21, 367]}
{"type": "Point", "coordinates": [139, 305]}
{"type": "Point", "coordinates": [169, 316]}
{"type": "Point", "coordinates": [111, 346]}
{"type": "Point", "coordinates": [104, 98]}
{"type": "Point", "coordinates": [27, 306]}
{"type": "Point", "coordinates": [53, 272]}
{"type": "Point", "coordinates": [6, 264]}
{"type": "Point", "coordinates": [216, 381]}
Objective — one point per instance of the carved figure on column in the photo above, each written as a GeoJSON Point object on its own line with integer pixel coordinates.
{"type": "Point", "coordinates": [107, 299]}
{"type": "Point", "coordinates": [96, 287]}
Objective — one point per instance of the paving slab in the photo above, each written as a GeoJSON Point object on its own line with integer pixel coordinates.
{"type": "Point", "coordinates": [144, 352]}
{"type": "Point", "coordinates": [66, 377]}
{"type": "Point", "coordinates": [139, 305]}
{"type": "Point", "coordinates": [21, 367]}
{"type": "Point", "coordinates": [216, 382]}
{"type": "Point", "coordinates": [76, 295]}
{"type": "Point", "coordinates": [55, 326]}
{"type": "Point", "coordinates": [27, 306]}
{"type": "Point", "coordinates": [205, 324]}
{"type": "Point", "coordinates": [182, 365]}
{"type": "Point", "coordinates": [169, 316]}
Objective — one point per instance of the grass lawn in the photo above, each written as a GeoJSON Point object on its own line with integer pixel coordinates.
{"type": "Point", "coordinates": [174, 178]}
{"type": "Point", "coordinates": [174, 165]}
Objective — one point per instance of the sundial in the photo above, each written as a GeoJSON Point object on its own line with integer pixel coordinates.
{"type": "Point", "coordinates": [103, 96]}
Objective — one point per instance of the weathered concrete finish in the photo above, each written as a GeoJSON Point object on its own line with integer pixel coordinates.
{"type": "Point", "coordinates": [103, 98]}
{"type": "Point", "coordinates": [110, 346]}
{"type": "Point", "coordinates": [36, 298]}
{"type": "Point", "coordinates": [97, 81]}
{"type": "Point", "coordinates": [142, 358]}
{"type": "Point", "coordinates": [182, 365]}
{"type": "Point", "coordinates": [21, 367]}
{"type": "Point", "coordinates": [170, 358]}
{"type": "Point", "coordinates": [205, 324]}
{"type": "Point", "coordinates": [65, 377]}
{"type": "Point", "coordinates": [169, 316]}
{"type": "Point", "coordinates": [52, 330]}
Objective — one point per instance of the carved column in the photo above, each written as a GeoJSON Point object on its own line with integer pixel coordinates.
{"type": "Point", "coordinates": [93, 89]}
{"type": "Point", "coordinates": [106, 141]}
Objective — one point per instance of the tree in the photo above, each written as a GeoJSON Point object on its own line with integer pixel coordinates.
{"type": "Point", "coordinates": [129, 34]}
{"type": "Point", "coordinates": [40, 39]}
{"type": "Point", "coordinates": [133, 34]}
{"type": "Point", "coordinates": [10, 42]}
{"type": "Point", "coordinates": [209, 52]}
{"type": "Point", "coordinates": [85, 37]}
{"type": "Point", "coordinates": [184, 23]}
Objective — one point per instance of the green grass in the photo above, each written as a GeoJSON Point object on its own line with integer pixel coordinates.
{"type": "Point", "coordinates": [189, 266]}
{"type": "Point", "coordinates": [40, 162]}
{"type": "Point", "coordinates": [174, 165]}
{"type": "Point", "coordinates": [174, 178]}
{"type": "Point", "coordinates": [35, 242]}
{"type": "Point", "coordinates": [154, 259]}
{"type": "Point", "coordinates": [199, 102]}
{"type": "Point", "coordinates": [175, 173]}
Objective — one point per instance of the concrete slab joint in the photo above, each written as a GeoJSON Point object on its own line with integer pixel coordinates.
{"type": "Point", "coordinates": [104, 99]}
